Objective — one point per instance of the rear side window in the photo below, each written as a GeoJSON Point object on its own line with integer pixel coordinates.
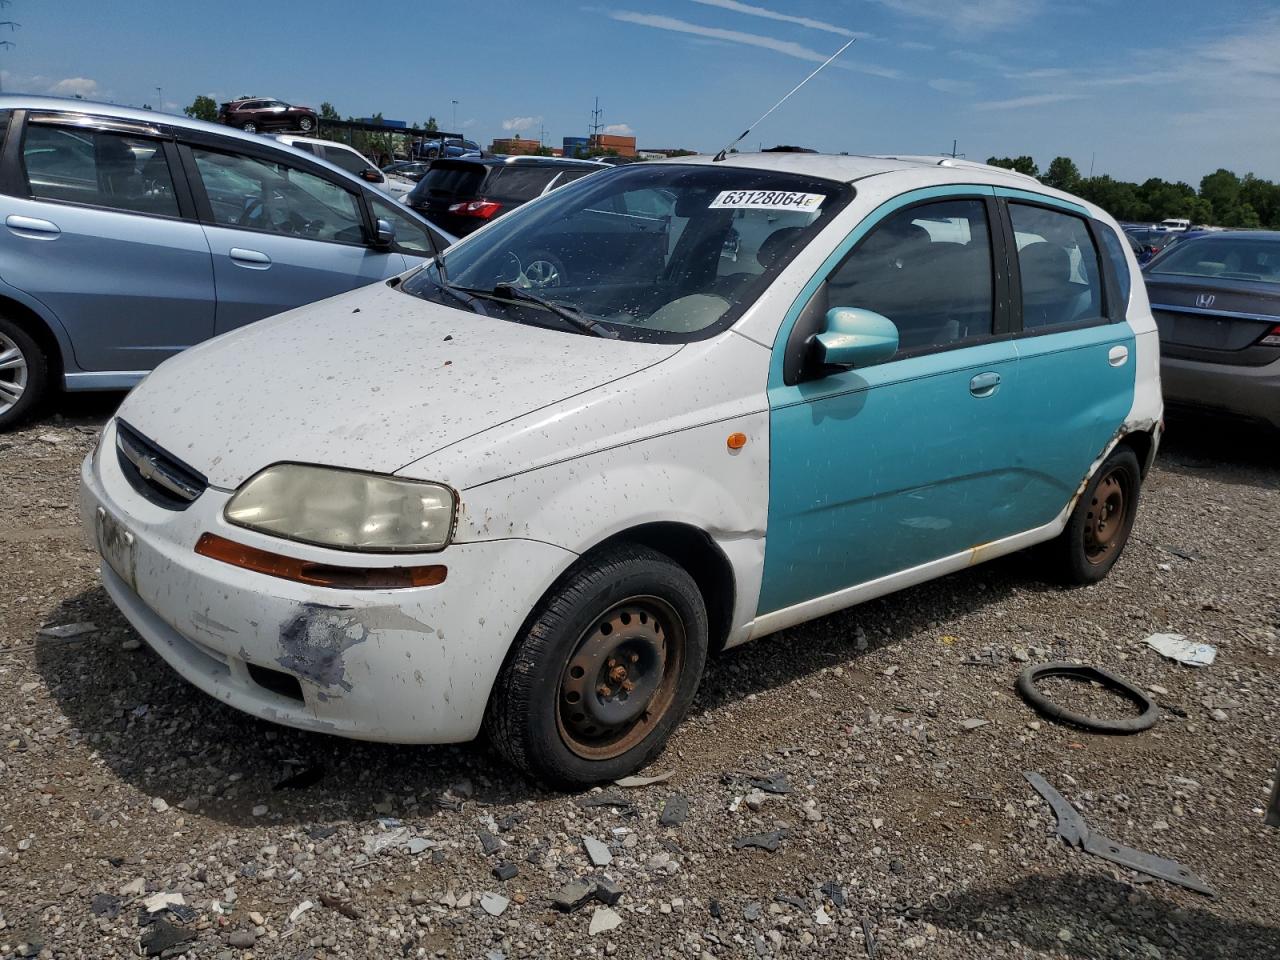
{"type": "Point", "coordinates": [446, 181]}
{"type": "Point", "coordinates": [100, 169]}
{"type": "Point", "coordinates": [518, 184]}
{"type": "Point", "coordinates": [348, 161]}
{"type": "Point", "coordinates": [1114, 250]}
{"type": "Point", "coordinates": [1061, 281]}
{"type": "Point", "coordinates": [927, 268]}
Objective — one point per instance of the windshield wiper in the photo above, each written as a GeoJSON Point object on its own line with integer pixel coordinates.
{"type": "Point", "coordinates": [570, 315]}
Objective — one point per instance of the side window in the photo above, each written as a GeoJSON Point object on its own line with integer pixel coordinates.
{"type": "Point", "coordinates": [1058, 264]}
{"type": "Point", "coordinates": [346, 160]}
{"type": "Point", "coordinates": [928, 269]}
{"type": "Point", "coordinates": [411, 236]}
{"type": "Point", "coordinates": [515, 184]}
{"type": "Point", "coordinates": [98, 168]}
{"type": "Point", "coordinates": [256, 194]}
{"type": "Point", "coordinates": [1119, 263]}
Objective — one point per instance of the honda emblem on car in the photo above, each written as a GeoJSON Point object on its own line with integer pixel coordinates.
{"type": "Point", "coordinates": [1205, 300]}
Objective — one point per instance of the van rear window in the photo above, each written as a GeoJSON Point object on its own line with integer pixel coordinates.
{"type": "Point", "coordinates": [451, 181]}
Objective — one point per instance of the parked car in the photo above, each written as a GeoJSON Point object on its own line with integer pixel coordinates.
{"type": "Point", "coordinates": [1176, 238]}
{"type": "Point", "coordinates": [1216, 299]}
{"type": "Point", "coordinates": [446, 147]}
{"type": "Point", "coordinates": [132, 235]}
{"type": "Point", "coordinates": [537, 506]}
{"type": "Point", "coordinates": [1175, 223]}
{"type": "Point", "coordinates": [462, 195]}
{"type": "Point", "coordinates": [413, 170]}
{"type": "Point", "coordinates": [1153, 240]}
{"type": "Point", "coordinates": [258, 115]}
{"type": "Point", "coordinates": [351, 160]}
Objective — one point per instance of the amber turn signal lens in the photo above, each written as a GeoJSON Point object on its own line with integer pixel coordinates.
{"type": "Point", "coordinates": [737, 441]}
{"type": "Point", "coordinates": [318, 574]}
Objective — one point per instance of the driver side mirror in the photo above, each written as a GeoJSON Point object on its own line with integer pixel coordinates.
{"type": "Point", "coordinates": [384, 234]}
{"type": "Point", "coordinates": [370, 174]}
{"type": "Point", "coordinates": [855, 338]}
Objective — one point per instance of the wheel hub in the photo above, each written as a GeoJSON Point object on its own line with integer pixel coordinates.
{"type": "Point", "coordinates": [13, 373]}
{"type": "Point", "coordinates": [1106, 518]}
{"type": "Point", "coordinates": [620, 678]}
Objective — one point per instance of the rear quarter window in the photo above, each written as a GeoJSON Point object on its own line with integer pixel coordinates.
{"type": "Point", "coordinates": [442, 181]}
{"type": "Point", "coordinates": [518, 184]}
{"type": "Point", "coordinates": [1113, 247]}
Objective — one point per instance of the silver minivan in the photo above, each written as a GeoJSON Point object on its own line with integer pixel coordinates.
{"type": "Point", "coordinates": [131, 235]}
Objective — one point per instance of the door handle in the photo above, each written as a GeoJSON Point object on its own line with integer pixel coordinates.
{"type": "Point", "coordinates": [32, 227]}
{"type": "Point", "coordinates": [984, 384]}
{"type": "Point", "coordinates": [254, 259]}
{"type": "Point", "coordinates": [1118, 355]}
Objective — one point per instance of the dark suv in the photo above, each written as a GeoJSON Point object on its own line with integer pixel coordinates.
{"type": "Point", "coordinates": [462, 195]}
{"type": "Point", "coordinates": [252, 116]}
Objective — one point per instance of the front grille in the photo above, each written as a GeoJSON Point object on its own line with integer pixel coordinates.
{"type": "Point", "coordinates": [155, 473]}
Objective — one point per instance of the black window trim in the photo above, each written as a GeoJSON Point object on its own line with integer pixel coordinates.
{"type": "Point", "coordinates": [1108, 288]}
{"type": "Point", "coordinates": [204, 209]}
{"type": "Point", "coordinates": [796, 366]}
{"type": "Point", "coordinates": [17, 183]}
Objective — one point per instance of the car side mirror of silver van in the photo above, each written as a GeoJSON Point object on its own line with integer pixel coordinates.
{"type": "Point", "coordinates": [856, 338]}
{"type": "Point", "coordinates": [384, 233]}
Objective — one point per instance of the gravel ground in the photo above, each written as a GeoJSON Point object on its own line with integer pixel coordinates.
{"type": "Point", "coordinates": [899, 829]}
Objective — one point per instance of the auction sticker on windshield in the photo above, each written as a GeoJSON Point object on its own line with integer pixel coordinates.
{"type": "Point", "coordinates": [766, 200]}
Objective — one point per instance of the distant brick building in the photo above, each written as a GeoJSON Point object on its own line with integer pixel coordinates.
{"type": "Point", "coordinates": [514, 146]}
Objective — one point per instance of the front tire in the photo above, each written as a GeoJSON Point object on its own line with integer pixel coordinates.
{"type": "Point", "coordinates": [249, 127]}
{"type": "Point", "coordinates": [306, 124]}
{"type": "Point", "coordinates": [607, 666]}
{"type": "Point", "coordinates": [24, 374]}
{"type": "Point", "coordinates": [1100, 524]}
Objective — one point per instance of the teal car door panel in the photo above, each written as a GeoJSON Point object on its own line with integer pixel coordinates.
{"type": "Point", "coordinates": [1076, 367]}
{"type": "Point", "coordinates": [879, 470]}
{"type": "Point", "coordinates": [882, 469]}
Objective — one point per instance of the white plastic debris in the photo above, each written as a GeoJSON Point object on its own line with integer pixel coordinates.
{"type": "Point", "coordinates": [1177, 647]}
{"type": "Point", "coordinates": [377, 843]}
{"type": "Point", "coordinates": [67, 630]}
{"type": "Point", "coordinates": [597, 851]}
{"type": "Point", "coordinates": [645, 781]}
{"type": "Point", "coordinates": [159, 901]}
{"type": "Point", "coordinates": [493, 904]}
{"type": "Point", "coordinates": [299, 910]}
{"type": "Point", "coordinates": [603, 920]}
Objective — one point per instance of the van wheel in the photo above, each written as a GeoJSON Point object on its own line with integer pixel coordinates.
{"type": "Point", "coordinates": [1100, 524]}
{"type": "Point", "coordinates": [608, 665]}
{"type": "Point", "coordinates": [24, 374]}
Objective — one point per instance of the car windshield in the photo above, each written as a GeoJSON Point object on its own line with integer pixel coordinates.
{"type": "Point", "coordinates": [663, 252]}
{"type": "Point", "coordinates": [1234, 259]}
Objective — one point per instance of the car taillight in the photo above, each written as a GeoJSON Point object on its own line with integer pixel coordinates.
{"type": "Point", "coordinates": [1271, 339]}
{"type": "Point", "coordinates": [484, 209]}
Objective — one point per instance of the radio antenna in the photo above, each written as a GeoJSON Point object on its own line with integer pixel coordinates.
{"type": "Point", "coordinates": [742, 136]}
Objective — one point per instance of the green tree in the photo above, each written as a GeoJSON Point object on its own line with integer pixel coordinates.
{"type": "Point", "coordinates": [1063, 174]}
{"type": "Point", "coordinates": [329, 112]}
{"type": "Point", "coordinates": [1264, 197]}
{"type": "Point", "coordinates": [1021, 164]}
{"type": "Point", "coordinates": [202, 108]}
{"type": "Point", "coordinates": [1222, 189]}
{"type": "Point", "coordinates": [431, 126]}
{"type": "Point", "coordinates": [1118, 197]}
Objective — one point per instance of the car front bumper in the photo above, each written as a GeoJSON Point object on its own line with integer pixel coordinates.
{"type": "Point", "coordinates": [1252, 392]}
{"type": "Point", "coordinates": [408, 666]}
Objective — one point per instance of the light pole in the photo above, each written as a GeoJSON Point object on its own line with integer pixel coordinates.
{"type": "Point", "coordinates": [455, 116]}
{"type": "Point", "coordinates": [159, 101]}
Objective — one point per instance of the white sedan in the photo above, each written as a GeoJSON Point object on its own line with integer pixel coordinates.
{"type": "Point", "coordinates": [531, 486]}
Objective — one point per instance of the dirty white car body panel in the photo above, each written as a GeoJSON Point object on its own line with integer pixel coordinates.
{"type": "Point", "coordinates": [554, 443]}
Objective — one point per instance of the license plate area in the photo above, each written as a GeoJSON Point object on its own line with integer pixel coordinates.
{"type": "Point", "coordinates": [116, 544]}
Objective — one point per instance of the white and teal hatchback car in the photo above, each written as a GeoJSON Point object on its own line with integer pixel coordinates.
{"type": "Point", "coordinates": [659, 412]}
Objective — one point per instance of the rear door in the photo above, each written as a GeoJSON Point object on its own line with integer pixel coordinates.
{"type": "Point", "coordinates": [100, 227]}
{"type": "Point", "coordinates": [281, 235]}
{"type": "Point", "coordinates": [1076, 365]}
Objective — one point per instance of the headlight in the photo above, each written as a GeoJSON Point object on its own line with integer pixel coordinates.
{"type": "Point", "coordinates": [345, 509]}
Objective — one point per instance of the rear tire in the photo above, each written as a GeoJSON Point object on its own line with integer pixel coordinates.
{"type": "Point", "coordinates": [306, 124]}
{"type": "Point", "coordinates": [608, 665]}
{"type": "Point", "coordinates": [1100, 524]}
{"type": "Point", "coordinates": [249, 127]}
{"type": "Point", "coordinates": [24, 374]}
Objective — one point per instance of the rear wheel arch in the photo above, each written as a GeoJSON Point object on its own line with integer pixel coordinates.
{"type": "Point", "coordinates": [41, 332]}
{"type": "Point", "coordinates": [1143, 445]}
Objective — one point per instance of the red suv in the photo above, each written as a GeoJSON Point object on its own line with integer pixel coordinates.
{"type": "Point", "coordinates": [256, 114]}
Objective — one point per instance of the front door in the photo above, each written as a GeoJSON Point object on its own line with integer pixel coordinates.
{"type": "Point", "coordinates": [877, 470]}
{"type": "Point", "coordinates": [102, 242]}
{"type": "Point", "coordinates": [281, 236]}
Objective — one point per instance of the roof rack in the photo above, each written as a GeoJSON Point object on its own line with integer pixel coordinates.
{"type": "Point", "coordinates": [956, 162]}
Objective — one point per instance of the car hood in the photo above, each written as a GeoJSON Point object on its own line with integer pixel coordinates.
{"type": "Point", "coordinates": [370, 380]}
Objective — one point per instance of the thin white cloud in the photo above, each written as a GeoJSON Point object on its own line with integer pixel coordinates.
{"type": "Point", "coordinates": [619, 130]}
{"type": "Point", "coordinates": [754, 11]}
{"type": "Point", "coordinates": [520, 124]}
{"type": "Point", "coordinates": [1038, 100]}
{"type": "Point", "coordinates": [944, 85]}
{"type": "Point", "coordinates": [786, 47]}
{"type": "Point", "coordinates": [969, 16]}
{"type": "Point", "coordinates": [74, 86]}
{"type": "Point", "coordinates": [1043, 73]}
{"type": "Point", "coordinates": [916, 45]}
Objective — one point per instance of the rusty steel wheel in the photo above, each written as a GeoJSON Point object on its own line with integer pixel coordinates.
{"type": "Point", "coordinates": [621, 678]}
{"type": "Point", "coordinates": [1099, 524]}
{"type": "Point", "coordinates": [605, 667]}
{"type": "Point", "coordinates": [1106, 521]}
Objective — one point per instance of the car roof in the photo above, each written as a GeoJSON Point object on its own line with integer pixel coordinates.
{"type": "Point", "coordinates": [524, 160]}
{"type": "Point", "coordinates": [850, 167]}
{"type": "Point", "coordinates": [289, 138]}
{"type": "Point", "coordinates": [1216, 235]}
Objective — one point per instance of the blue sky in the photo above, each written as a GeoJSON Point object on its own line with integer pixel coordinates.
{"type": "Point", "coordinates": [1172, 89]}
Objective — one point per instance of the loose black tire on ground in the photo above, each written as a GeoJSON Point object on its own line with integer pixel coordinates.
{"type": "Point", "coordinates": [1100, 524]}
{"type": "Point", "coordinates": [628, 608]}
{"type": "Point", "coordinates": [36, 374]}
